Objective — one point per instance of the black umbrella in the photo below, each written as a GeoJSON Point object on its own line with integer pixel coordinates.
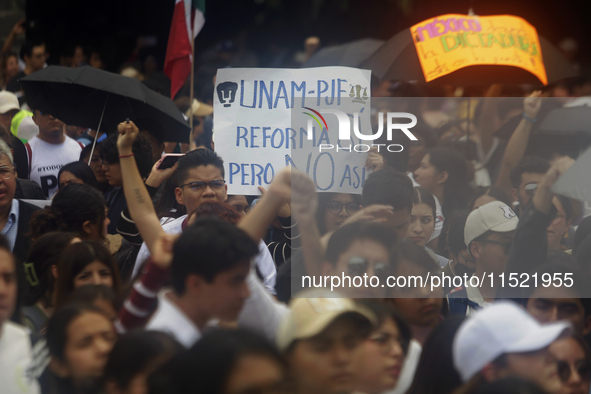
{"type": "Point", "coordinates": [92, 98]}
{"type": "Point", "coordinates": [569, 120]}
{"type": "Point", "coordinates": [397, 59]}
{"type": "Point", "coordinates": [349, 55]}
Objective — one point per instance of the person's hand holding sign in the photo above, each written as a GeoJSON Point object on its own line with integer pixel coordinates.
{"type": "Point", "coordinates": [375, 161]}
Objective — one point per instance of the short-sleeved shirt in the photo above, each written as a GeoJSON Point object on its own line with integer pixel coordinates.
{"type": "Point", "coordinates": [17, 368]}
{"type": "Point", "coordinates": [46, 160]}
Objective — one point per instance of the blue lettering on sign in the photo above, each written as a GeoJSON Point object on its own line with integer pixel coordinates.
{"type": "Point", "coordinates": [331, 168]}
{"type": "Point", "coordinates": [267, 93]}
{"type": "Point", "coordinates": [273, 144]}
{"type": "Point", "coordinates": [251, 174]}
{"type": "Point", "coordinates": [240, 136]}
{"type": "Point", "coordinates": [254, 95]}
{"type": "Point", "coordinates": [234, 169]}
{"type": "Point", "coordinates": [253, 136]}
{"type": "Point", "coordinates": [281, 94]}
{"type": "Point", "coordinates": [296, 88]}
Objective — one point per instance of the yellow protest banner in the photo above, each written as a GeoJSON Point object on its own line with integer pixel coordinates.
{"type": "Point", "coordinates": [450, 42]}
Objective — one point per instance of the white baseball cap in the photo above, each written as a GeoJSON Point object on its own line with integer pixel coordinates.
{"type": "Point", "coordinates": [8, 102]}
{"type": "Point", "coordinates": [495, 216]}
{"type": "Point", "coordinates": [310, 316]}
{"type": "Point", "coordinates": [498, 329]}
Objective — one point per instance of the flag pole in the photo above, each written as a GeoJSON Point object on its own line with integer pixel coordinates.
{"type": "Point", "coordinates": [191, 94]}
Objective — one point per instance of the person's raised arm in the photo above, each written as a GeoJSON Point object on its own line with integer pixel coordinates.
{"type": "Point", "coordinates": [138, 199]}
{"type": "Point", "coordinates": [17, 30]}
{"type": "Point", "coordinates": [518, 141]}
{"type": "Point", "coordinates": [256, 222]}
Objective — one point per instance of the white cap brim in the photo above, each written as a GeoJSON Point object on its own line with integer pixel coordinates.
{"type": "Point", "coordinates": [541, 338]}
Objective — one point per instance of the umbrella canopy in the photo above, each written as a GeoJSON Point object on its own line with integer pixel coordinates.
{"type": "Point", "coordinates": [348, 55]}
{"type": "Point", "coordinates": [576, 182]}
{"type": "Point", "coordinates": [575, 119]}
{"type": "Point", "coordinates": [398, 59]}
{"type": "Point", "coordinates": [89, 97]}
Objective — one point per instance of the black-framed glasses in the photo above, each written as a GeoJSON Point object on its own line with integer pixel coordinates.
{"type": "Point", "coordinates": [506, 245]}
{"type": "Point", "coordinates": [199, 185]}
{"type": "Point", "coordinates": [583, 368]}
{"type": "Point", "coordinates": [358, 267]}
{"type": "Point", "coordinates": [6, 172]}
{"type": "Point", "coordinates": [335, 207]}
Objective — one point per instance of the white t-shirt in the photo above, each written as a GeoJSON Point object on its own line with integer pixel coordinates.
{"type": "Point", "coordinates": [263, 260]}
{"type": "Point", "coordinates": [408, 369]}
{"type": "Point", "coordinates": [46, 160]}
{"type": "Point", "coordinates": [16, 363]}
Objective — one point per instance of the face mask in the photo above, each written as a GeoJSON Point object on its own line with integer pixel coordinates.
{"type": "Point", "coordinates": [461, 269]}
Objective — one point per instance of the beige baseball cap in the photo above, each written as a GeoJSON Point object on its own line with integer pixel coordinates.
{"type": "Point", "coordinates": [311, 315]}
{"type": "Point", "coordinates": [199, 109]}
{"type": "Point", "coordinates": [495, 216]}
{"type": "Point", "coordinates": [8, 102]}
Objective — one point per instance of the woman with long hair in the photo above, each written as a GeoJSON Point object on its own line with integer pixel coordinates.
{"type": "Point", "coordinates": [446, 174]}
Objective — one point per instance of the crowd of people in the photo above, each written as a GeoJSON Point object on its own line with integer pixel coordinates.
{"type": "Point", "coordinates": [119, 276]}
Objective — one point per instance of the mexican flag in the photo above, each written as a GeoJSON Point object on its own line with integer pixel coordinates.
{"type": "Point", "coordinates": [187, 21]}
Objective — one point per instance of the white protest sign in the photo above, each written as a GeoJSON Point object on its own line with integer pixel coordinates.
{"type": "Point", "coordinates": [265, 119]}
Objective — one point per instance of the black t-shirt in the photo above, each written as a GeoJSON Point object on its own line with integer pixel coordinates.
{"type": "Point", "coordinates": [21, 161]}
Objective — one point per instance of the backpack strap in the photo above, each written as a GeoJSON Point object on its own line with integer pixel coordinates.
{"type": "Point", "coordinates": [459, 302]}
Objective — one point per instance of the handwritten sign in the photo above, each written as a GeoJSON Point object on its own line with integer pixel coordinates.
{"type": "Point", "coordinates": [449, 42]}
{"type": "Point", "coordinates": [267, 119]}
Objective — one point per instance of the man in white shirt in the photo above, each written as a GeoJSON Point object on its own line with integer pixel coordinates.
{"type": "Point", "coordinates": [213, 286]}
{"type": "Point", "coordinates": [17, 375]}
{"type": "Point", "coordinates": [200, 176]}
{"type": "Point", "coordinates": [489, 235]}
{"type": "Point", "coordinates": [49, 151]}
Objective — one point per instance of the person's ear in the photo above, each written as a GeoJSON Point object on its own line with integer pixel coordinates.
{"type": "Point", "coordinates": [194, 284]}
{"type": "Point", "coordinates": [442, 177]}
{"type": "Point", "coordinates": [86, 227]}
{"type": "Point", "coordinates": [59, 368]}
{"type": "Point", "coordinates": [178, 192]}
{"type": "Point", "coordinates": [54, 271]}
{"type": "Point", "coordinates": [34, 117]}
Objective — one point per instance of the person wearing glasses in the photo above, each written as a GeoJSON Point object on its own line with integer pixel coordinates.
{"type": "Point", "coordinates": [380, 359]}
{"type": "Point", "coordinates": [460, 260]}
{"type": "Point", "coordinates": [502, 341]}
{"type": "Point", "coordinates": [573, 364]}
{"type": "Point", "coordinates": [15, 215]}
{"type": "Point", "coordinates": [200, 175]}
{"type": "Point", "coordinates": [525, 177]}
{"type": "Point", "coordinates": [488, 235]}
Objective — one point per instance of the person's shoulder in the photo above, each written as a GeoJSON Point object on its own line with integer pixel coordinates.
{"type": "Point", "coordinates": [70, 142]}
{"type": "Point", "coordinates": [15, 334]}
{"type": "Point", "coordinates": [27, 207]}
{"type": "Point", "coordinates": [174, 226]}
